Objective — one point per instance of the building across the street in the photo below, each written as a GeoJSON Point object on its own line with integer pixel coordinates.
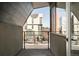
{"type": "Point", "coordinates": [33, 27]}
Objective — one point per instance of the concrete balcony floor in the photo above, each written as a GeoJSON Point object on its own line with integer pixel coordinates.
{"type": "Point", "coordinates": [35, 52]}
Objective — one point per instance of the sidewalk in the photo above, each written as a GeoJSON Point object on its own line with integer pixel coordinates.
{"type": "Point", "coordinates": [38, 45]}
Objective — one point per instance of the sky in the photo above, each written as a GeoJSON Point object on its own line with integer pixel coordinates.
{"type": "Point", "coordinates": [46, 15]}
{"type": "Point", "coordinates": [61, 12]}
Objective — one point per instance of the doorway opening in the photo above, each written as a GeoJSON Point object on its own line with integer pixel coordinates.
{"type": "Point", "coordinates": [36, 29]}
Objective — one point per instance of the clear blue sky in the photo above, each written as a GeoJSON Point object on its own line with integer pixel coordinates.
{"type": "Point", "coordinates": [46, 15]}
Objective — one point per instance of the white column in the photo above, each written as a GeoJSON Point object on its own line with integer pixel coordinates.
{"type": "Point", "coordinates": [68, 17]}
{"type": "Point", "coordinates": [54, 21]}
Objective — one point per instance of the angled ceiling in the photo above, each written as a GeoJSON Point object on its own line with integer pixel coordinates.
{"type": "Point", "coordinates": [40, 4]}
{"type": "Point", "coordinates": [75, 9]}
{"type": "Point", "coordinates": [15, 13]}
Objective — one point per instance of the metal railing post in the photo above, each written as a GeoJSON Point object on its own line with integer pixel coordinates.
{"type": "Point", "coordinates": [24, 40]}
